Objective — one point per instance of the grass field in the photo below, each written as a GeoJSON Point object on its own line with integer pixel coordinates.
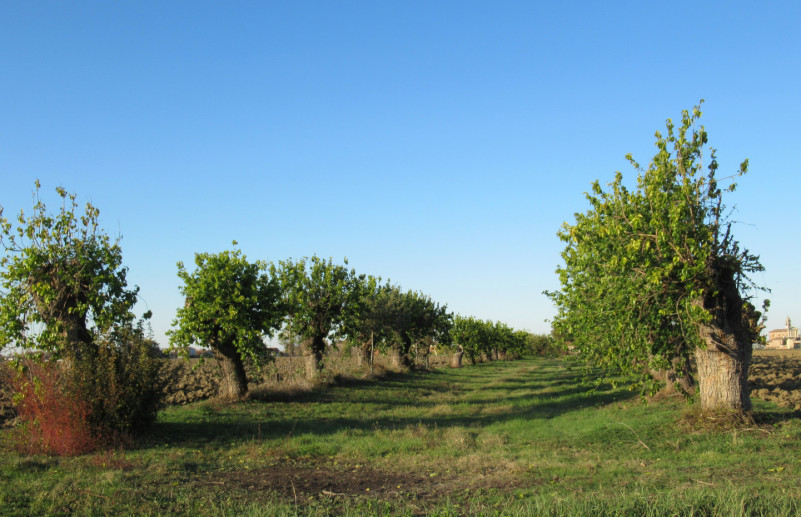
{"type": "Point", "coordinates": [506, 438]}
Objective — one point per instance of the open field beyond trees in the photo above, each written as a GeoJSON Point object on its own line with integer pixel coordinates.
{"type": "Point", "coordinates": [521, 437]}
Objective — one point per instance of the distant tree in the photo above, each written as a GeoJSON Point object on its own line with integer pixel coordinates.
{"type": "Point", "coordinates": [654, 277]}
{"type": "Point", "coordinates": [473, 335]}
{"type": "Point", "coordinates": [493, 340]}
{"type": "Point", "coordinates": [539, 344]}
{"type": "Point", "coordinates": [416, 321]}
{"type": "Point", "coordinates": [370, 325]}
{"type": "Point", "coordinates": [231, 306]}
{"type": "Point", "coordinates": [518, 344]}
{"type": "Point", "coordinates": [322, 298]}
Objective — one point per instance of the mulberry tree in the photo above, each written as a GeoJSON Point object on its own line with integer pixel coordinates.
{"type": "Point", "coordinates": [231, 305]}
{"type": "Point", "coordinates": [653, 277]}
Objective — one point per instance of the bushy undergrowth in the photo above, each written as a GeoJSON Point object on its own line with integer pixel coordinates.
{"type": "Point", "coordinates": [54, 417]}
{"type": "Point", "coordinates": [77, 405]}
{"type": "Point", "coordinates": [121, 384]}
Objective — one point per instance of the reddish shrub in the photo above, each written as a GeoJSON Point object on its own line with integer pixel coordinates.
{"type": "Point", "coordinates": [55, 420]}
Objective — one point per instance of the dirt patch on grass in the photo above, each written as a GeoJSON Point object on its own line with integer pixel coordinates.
{"type": "Point", "coordinates": [303, 482]}
{"type": "Point", "coordinates": [776, 377]}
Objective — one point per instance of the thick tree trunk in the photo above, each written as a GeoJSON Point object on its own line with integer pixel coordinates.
{"type": "Point", "coordinates": [363, 353]}
{"type": "Point", "coordinates": [317, 349]}
{"type": "Point", "coordinates": [406, 353]}
{"type": "Point", "coordinates": [310, 366]}
{"type": "Point", "coordinates": [723, 364]}
{"type": "Point", "coordinates": [723, 376]}
{"type": "Point", "coordinates": [456, 359]}
{"type": "Point", "coordinates": [234, 379]}
{"type": "Point", "coordinates": [80, 344]}
{"type": "Point", "coordinates": [393, 358]}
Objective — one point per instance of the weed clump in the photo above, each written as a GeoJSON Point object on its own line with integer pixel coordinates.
{"type": "Point", "coordinates": [719, 420]}
{"type": "Point", "coordinates": [53, 418]}
{"type": "Point", "coordinates": [73, 406]}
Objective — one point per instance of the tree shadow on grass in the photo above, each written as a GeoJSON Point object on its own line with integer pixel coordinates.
{"type": "Point", "coordinates": [382, 402]}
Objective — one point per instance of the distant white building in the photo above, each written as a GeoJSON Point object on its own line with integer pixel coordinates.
{"type": "Point", "coordinates": [193, 353]}
{"type": "Point", "coordinates": [785, 338]}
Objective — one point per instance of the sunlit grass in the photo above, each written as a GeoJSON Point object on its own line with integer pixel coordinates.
{"type": "Point", "coordinates": [518, 438]}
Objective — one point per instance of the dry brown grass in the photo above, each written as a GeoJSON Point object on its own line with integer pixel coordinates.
{"type": "Point", "coordinates": [695, 419]}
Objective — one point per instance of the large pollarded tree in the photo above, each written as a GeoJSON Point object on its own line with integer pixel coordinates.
{"type": "Point", "coordinates": [654, 280]}
{"type": "Point", "coordinates": [231, 305]}
{"type": "Point", "coordinates": [63, 281]}
{"type": "Point", "coordinates": [65, 293]}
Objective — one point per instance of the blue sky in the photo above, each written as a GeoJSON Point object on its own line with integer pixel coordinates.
{"type": "Point", "coordinates": [438, 144]}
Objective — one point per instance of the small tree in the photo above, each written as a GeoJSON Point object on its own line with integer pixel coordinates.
{"type": "Point", "coordinates": [416, 320]}
{"type": "Point", "coordinates": [320, 297]}
{"type": "Point", "coordinates": [653, 277]}
{"type": "Point", "coordinates": [369, 322]}
{"type": "Point", "coordinates": [231, 305]}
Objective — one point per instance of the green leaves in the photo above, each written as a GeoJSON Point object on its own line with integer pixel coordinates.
{"type": "Point", "coordinates": [62, 278]}
{"type": "Point", "coordinates": [229, 302]}
{"type": "Point", "coordinates": [478, 337]}
{"type": "Point", "coordinates": [321, 297]}
{"type": "Point", "coordinates": [637, 263]}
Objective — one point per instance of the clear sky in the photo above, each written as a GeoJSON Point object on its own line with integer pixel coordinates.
{"type": "Point", "coordinates": [438, 144]}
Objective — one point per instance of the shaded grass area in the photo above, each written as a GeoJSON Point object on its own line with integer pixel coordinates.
{"type": "Point", "coordinates": [512, 438]}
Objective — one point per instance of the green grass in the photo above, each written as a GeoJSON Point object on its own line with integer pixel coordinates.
{"type": "Point", "coordinates": [507, 438]}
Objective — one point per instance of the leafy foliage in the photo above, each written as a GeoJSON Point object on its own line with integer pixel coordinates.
{"type": "Point", "coordinates": [231, 305]}
{"type": "Point", "coordinates": [74, 407]}
{"type": "Point", "coordinates": [489, 339]}
{"type": "Point", "coordinates": [122, 384]}
{"type": "Point", "coordinates": [645, 268]}
{"type": "Point", "coordinates": [54, 418]}
{"type": "Point", "coordinates": [370, 327]}
{"type": "Point", "coordinates": [416, 323]}
{"type": "Point", "coordinates": [541, 344]}
{"type": "Point", "coordinates": [66, 295]}
{"type": "Point", "coordinates": [322, 298]}
{"type": "Point", "coordinates": [63, 279]}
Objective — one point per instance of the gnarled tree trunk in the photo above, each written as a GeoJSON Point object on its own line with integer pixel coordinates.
{"type": "Point", "coordinates": [456, 358]}
{"type": "Point", "coordinates": [393, 358]}
{"type": "Point", "coordinates": [723, 374]}
{"type": "Point", "coordinates": [363, 353]}
{"type": "Point", "coordinates": [406, 352]}
{"type": "Point", "coordinates": [723, 364]}
{"type": "Point", "coordinates": [234, 379]}
{"type": "Point", "coordinates": [318, 350]}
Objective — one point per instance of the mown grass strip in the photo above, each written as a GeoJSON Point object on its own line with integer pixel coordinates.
{"type": "Point", "coordinates": [525, 437]}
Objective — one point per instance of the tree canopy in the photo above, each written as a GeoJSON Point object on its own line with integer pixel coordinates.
{"type": "Point", "coordinates": [489, 339]}
{"type": "Point", "coordinates": [416, 322]}
{"type": "Point", "coordinates": [322, 299]}
{"type": "Point", "coordinates": [63, 280]}
{"type": "Point", "coordinates": [653, 276]}
{"type": "Point", "coordinates": [231, 305]}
